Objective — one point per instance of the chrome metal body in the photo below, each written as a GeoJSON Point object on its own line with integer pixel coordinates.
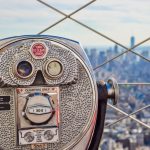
{"type": "Point", "coordinates": [78, 92]}
{"type": "Point", "coordinates": [46, 112]}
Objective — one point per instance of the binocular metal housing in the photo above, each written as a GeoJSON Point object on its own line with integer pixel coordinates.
{"type": "Point", "coordinates": [49, 97]}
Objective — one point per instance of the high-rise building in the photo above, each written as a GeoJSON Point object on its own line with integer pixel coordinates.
{"type": "Point", "coordinates": [116, 49]}
{"type": "Point", "coordinates": [132, 41]}
{"type": "Point", "coordinates": [130, 57]}
{"type": "Point", "coordinates": [93, 57]}
{"type": "Point", "coordinates": [109, 53]}
{"type": "Point", "coordinates": [101, 57]}
{"type": "Point", "coordinates": [145, 53]}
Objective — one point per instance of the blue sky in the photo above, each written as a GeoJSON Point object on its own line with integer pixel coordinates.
{"type": "Point", "coordinates": [118, 19]}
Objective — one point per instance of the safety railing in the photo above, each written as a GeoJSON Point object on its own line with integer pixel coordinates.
{"type": "Point", "coordinates": [127, 50]}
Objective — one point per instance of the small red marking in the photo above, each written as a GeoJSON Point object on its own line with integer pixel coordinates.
{"type": "Point", "coordinates": [19, 90]}
{"type": "Point", "coordinates": [38, 50]}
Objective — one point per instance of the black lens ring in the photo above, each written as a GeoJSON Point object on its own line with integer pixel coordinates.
{"type": "Point", "coordinates": [24, 69]}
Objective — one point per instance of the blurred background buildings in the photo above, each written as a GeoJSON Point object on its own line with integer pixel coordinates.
{"type": "Point", "coordinates": [127, 134]}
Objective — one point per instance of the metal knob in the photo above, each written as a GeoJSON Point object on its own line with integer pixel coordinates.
{"type": "Point", "coordinates": [113, 90]}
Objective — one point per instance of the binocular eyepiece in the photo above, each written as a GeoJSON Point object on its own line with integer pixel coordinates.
{"type": "Point", "coordinates": [49, 97]}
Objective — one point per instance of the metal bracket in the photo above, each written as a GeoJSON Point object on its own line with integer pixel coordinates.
{"type": "Point", "coordinates": [113, 90]}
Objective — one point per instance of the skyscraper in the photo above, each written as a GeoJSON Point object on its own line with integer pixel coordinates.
{"type": "Point", "coordinates": [132, 41]}
{"type": "Point", "coordinates": [130, 57]}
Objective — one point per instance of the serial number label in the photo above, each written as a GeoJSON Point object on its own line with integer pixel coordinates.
{"type": "Point", "coordinates": [39, 109]}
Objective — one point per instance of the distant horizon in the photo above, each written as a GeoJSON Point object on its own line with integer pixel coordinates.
{"type": "Point", "coordinates": [116, 19]}
{"type": "Point", "coordinates": [146, 44]}
{"type": "Point", "coordinates": [104, 46]}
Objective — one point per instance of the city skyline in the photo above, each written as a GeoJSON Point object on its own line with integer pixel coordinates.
{"type": "Point", "coordinates": [126, 134]}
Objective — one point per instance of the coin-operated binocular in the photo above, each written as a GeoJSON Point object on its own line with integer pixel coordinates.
{"type": "Point", "coordinates": [49, 99]}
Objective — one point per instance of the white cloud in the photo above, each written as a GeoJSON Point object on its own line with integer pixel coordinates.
{"type": "Point", "coordinates": [115, 18]}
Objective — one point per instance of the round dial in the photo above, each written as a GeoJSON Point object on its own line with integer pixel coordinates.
{"type": "Point", "coordinates": [29, 137]}
{"type": "Point", "coordinates": [54, 68]}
